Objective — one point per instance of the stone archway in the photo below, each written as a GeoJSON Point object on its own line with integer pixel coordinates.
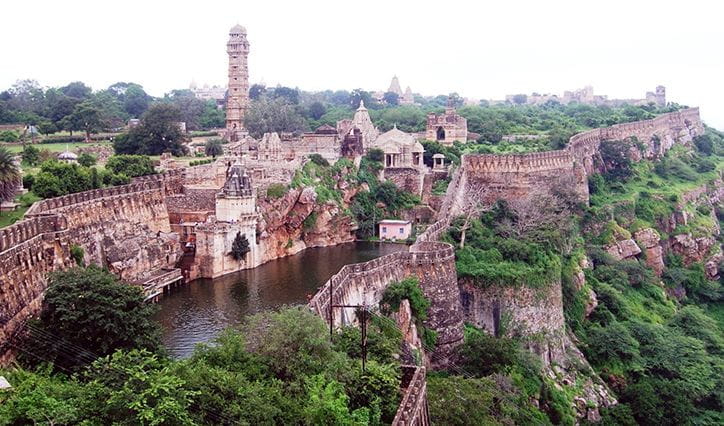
{"type": "Point", "coordinates": [440, 134]}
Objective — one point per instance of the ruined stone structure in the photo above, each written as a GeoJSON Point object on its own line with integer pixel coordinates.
{"type": "Point", "coordinates": [238, 95]}
{"type": "Point", "coordinates": [447, 127]}
{"type": "Point", "coordinates": [433, 263]}
{"type": "Point", "coordinates": [413, 407]}
{"type": "Point", "coordinates": [270, 147]}
{"type": "Point", "coordinates": [532, 312]}
{"type": "Point", "coordinates": [586, 96]}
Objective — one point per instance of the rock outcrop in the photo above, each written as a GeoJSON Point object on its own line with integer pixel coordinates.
{"type": "Point", "coordinates": [624, 249]}
{"type": "Point", "coordinates": [648, 239]}
{"type": "Point", "coordinates": [297, 221]}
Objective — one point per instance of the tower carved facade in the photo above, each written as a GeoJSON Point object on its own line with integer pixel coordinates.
{"type": "Point", "coordinates": [238, 96]}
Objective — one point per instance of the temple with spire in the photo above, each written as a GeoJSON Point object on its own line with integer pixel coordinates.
{"type": "Point", "coordinates": [404, 98]}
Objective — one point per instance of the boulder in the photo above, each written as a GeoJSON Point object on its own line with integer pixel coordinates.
{"type": "Point", "coordinates": [648, 239]}
{"type": "Point", "coordinates": [691, 250]}
{"type": "Point", "coordinates": [623, 249]}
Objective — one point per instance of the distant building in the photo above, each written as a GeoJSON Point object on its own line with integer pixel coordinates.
{"type": "Point", "coordinates": [395, 229]}
{"type": "Point", "coordinates": [404, 98]}
{"type": "Point", "coordinates": [447, 127]}
{"type": "Point", "coordinates": [586, 96]}
{"type": "Point", "coordinates": [212, 93]}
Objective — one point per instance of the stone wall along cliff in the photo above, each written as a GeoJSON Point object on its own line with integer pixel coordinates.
{"type": "Point", "coordinates": [124, 228]}
{"type": "Point", "coordinates": [514, 176]}
{"type": "Point", "coordinates": [432, 263]}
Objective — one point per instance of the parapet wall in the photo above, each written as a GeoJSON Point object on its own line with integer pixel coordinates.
{"type": "Point", "coordinates": [123, 228]}
{"type": "Point", "coordinates": [514, 176]}
{"type": "Point", "coordinates": [432, 263]}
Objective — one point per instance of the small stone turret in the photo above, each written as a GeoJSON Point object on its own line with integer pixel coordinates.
{"type": "Point", "coordinates": [236, 199]}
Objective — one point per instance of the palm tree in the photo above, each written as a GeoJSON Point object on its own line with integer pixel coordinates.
{"type": "Point", "coordinates": [9, 175]}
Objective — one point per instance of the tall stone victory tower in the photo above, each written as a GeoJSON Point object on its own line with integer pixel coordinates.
{"type": "Point", "coordinates": [238, 96]}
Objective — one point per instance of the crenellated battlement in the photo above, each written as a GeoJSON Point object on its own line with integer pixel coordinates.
{"type": "Point", "coordinates": [517, 163]}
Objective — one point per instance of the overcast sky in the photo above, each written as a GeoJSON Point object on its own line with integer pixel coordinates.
{"type": "Point", "coordinates": [480, 49]}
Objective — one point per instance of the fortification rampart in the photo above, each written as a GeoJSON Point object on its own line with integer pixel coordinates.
{"type": "Point", "coordinates": [123, 228]}
{"type": "Point", "coordinates": [432, 263]}
{"type": "Point", "coordinates": [514, 176]}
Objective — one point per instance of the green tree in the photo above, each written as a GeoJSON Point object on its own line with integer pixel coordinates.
{"type": "Point", "coordinates": [272, 115]}
{"type": "Point", "coordinates": [91, 309]}
{"type": "Point", "coordinates": [213, 148]}
{"type": "Point", "coordinates": [9, 175]}
{"type": "Point", "coordinates": [240, 246]}
{"type": "Point", "coordinates": [157, 133]}
{"type": "Point", "coordinates": [212, 117]}
{"type": "Point", "coordinates": [327, 404]}
{"type": "Point", "coordinates": [87, 116]}
{"type": "Point", "coordinates": [139, 387]}
{"type": "Point", "coordinates": [130, 165]}
{"type": "Point", "coordinates": [317, 110]}
{"type": "Point", "coordinates": [47, 127]}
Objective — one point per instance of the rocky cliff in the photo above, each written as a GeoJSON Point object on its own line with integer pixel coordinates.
{"type": "Point", "coordinates": [297, 221]}
{"type": "Point", "coordinates": [535, 316]}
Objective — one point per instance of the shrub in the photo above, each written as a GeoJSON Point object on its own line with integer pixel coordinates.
{"type": "Point", "coordinates": [130, 165]}
{"type": "Point", "coordinates": [240, 246]}
{"type": "Point", "coordinates": [31, 155]}
{"type": "Point", "coordinates": [318, 160]}
{"type": "Point", "coordinates": [77, 253]}
{"type": "Point", "coordinates": [8, 136]}
{"type": "Point", "coordinates": [86, 159]}
{"type": "Point", "coordinates": [409, 289]}
{"type": "Point", "coordinates": [276, 190]}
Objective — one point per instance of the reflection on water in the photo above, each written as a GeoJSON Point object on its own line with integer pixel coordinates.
{"type": "Point", "coordinates": [198, 311]}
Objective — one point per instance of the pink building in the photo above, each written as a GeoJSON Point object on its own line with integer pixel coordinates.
{"type": "Point", "coordinates": [395, 229]}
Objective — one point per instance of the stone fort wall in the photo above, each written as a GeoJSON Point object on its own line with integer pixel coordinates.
{"type": "Point", "coordinates": [432, 263]}
{"type": "Point", "coordinates": [102, 221]}
{"type": "Point", "coordinates": [514, 176]}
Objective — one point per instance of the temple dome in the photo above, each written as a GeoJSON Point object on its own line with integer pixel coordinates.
{"type": "Point", "coordinates": [237, 29]}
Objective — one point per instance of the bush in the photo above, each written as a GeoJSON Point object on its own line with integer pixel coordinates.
{"type": "Point", "coordinates": [276, 190]}
{"type": "Point", "coordinates": [31, 155]}
{"type": "Point", "coordinates": [86, 160]}
{"type": "Point", "coordinates": [28, 181]}
{"type": "Point", "coordinates": [77, 253]}
{"type": "Point", "coordinates": [318, 160]}
{"type": "Point", "coordinates": [240, 247]}
{"type": "Point", "coordinates": [8, 136]}
{"type": "Point", "coordinates": [409, 289]}
{"type": "Point", "coordinates": [130, 165]}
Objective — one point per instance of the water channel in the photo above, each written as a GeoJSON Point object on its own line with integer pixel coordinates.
{"type": "Point", "coordinates": [199, 311]}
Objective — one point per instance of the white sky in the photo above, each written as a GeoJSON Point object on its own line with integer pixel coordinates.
{"type": "Point", "coordinates": [480, 49]}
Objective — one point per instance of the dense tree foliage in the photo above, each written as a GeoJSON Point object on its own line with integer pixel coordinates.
{"type": "Point", "coordinates": [157, 133]}
{"type": "Point", "coordinates": [130, 165]}
{"type": "Point", "coordinates": [273, 115]}
{"type": "Point", "coordinates": [88, 312]}
{"type": "Point", "coordinates": [278, 368]}
{"type": "Point", "coordinates": [9, 175]}
{"type": "Point", "coordinates": [58, 178]}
